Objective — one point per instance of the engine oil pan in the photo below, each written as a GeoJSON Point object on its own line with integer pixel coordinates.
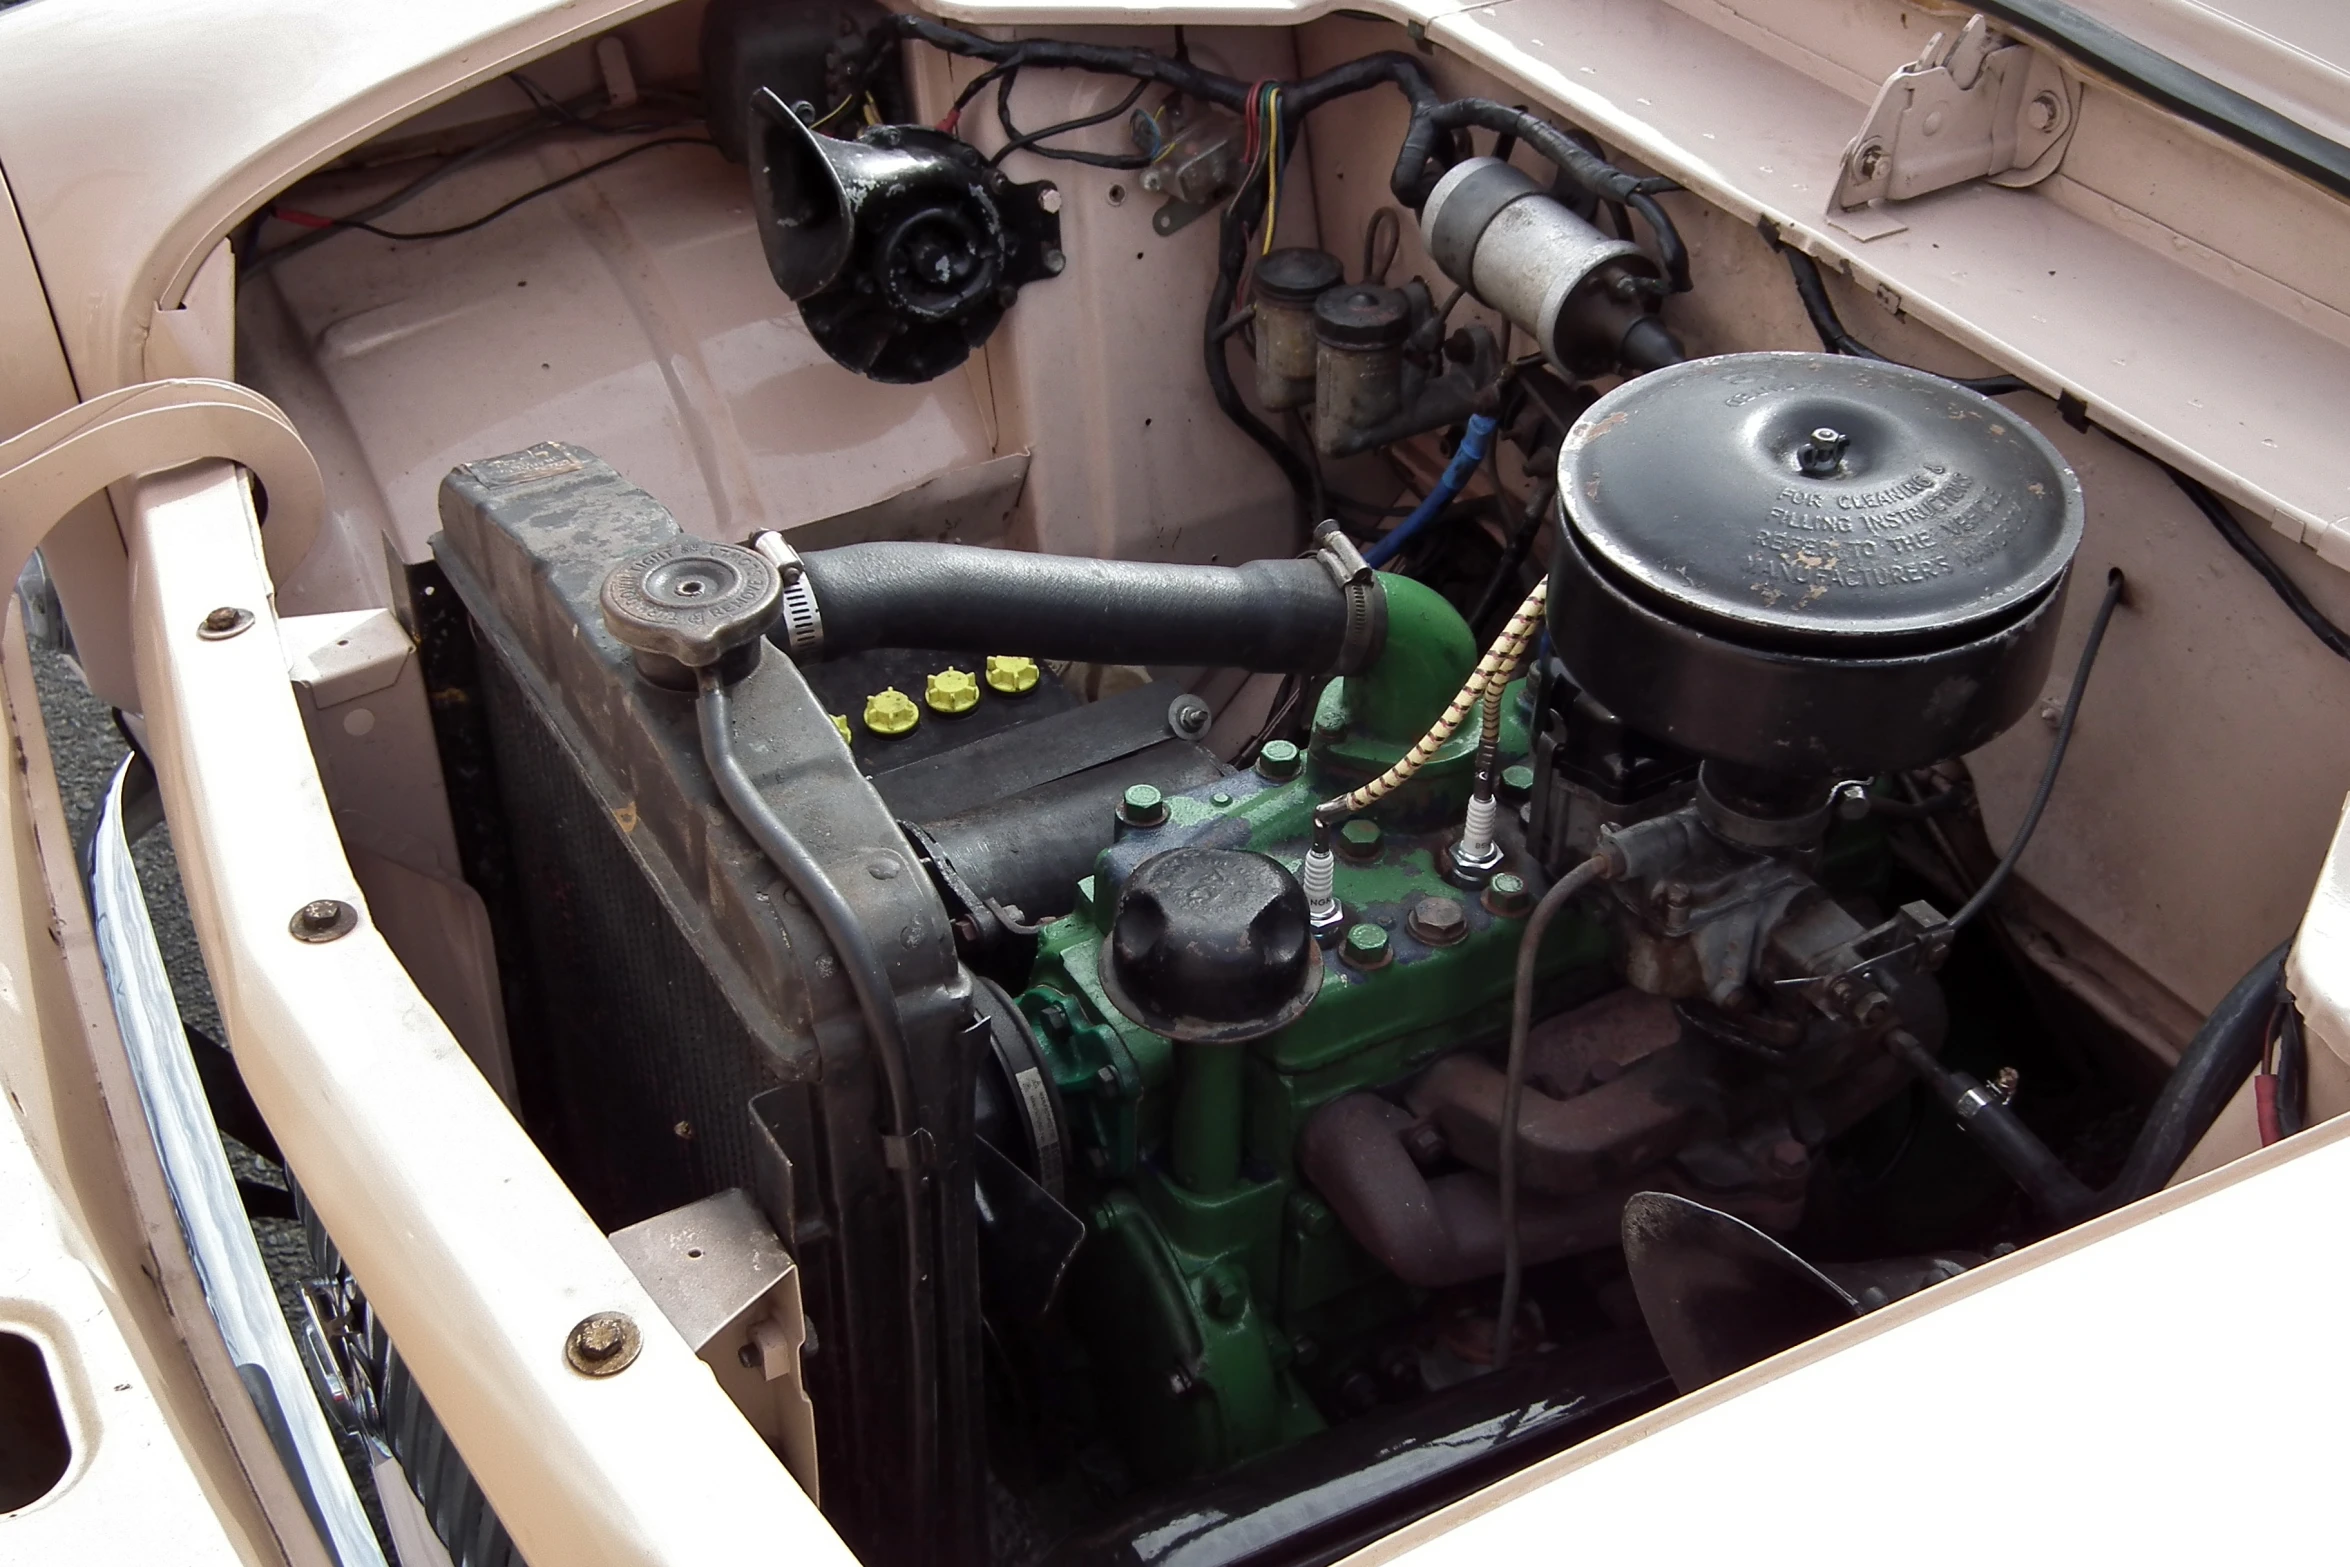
{"type": "Point", "coordinates": [1810, 564]}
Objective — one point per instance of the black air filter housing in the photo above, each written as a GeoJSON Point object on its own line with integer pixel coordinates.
{"type": "Point", "coordinates": [1810, 565]}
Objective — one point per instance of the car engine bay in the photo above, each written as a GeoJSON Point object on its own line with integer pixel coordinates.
{"type": "Point", "coordinates": [1275, 893]}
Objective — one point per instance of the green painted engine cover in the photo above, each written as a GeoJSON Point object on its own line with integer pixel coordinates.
{"type": "Point", "coordinates": [1220, 1300]}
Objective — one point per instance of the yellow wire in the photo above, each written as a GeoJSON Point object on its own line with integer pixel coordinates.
{"type": "Point", "coordinates": [817, 125]}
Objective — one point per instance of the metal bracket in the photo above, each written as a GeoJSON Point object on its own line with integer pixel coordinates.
{"type": "Point", "coordinates": [725, 1281]}
{"type": "Point", "coordinates": [1972, 107]}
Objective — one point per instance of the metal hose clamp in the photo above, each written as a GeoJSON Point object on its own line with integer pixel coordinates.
{"type": "Point", "coordinates": [800, 623]}
{"type": "Point", "coordinates": [1366, 600]}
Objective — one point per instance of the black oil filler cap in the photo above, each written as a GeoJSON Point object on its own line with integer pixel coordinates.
{"type": "Point", "coordinates": [1810, 563]}
{"type": "Point", "coordinates": [1211, 946]}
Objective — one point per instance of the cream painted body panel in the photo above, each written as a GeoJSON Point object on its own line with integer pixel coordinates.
{"type": "Point", "coordinates": [208, 109]}
{"type": "Point", "coordinates": [2122, 1393]}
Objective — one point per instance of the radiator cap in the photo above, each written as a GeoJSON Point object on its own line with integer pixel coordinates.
{"type": "Point", "coordinates": [691, 602]}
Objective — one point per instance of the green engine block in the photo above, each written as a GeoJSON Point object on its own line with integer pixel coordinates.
{"type": "Point", "coordinates": [1221, 1302]}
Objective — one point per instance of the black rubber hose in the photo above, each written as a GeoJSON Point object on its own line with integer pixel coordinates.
{"type": "Point", "coordinates": [2059, 1194]}
{"type": "Point", "coordinates": [877, 1002]}
{"type": "Point", "coordinates": [1268, 616]}
{"type": "Point", "coordinates": [2214, 1065]}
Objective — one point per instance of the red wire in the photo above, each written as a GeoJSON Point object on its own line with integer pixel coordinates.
{"type": "Point", "coordinates": [308, 220]}
{"type": "Point", "coordinates": [2264, 1103]}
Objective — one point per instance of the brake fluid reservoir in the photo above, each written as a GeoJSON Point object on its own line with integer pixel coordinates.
{"type": "Point", "coordinates": [1287, 284]}
{"type": "Point", "coordinates": [1358, 361]}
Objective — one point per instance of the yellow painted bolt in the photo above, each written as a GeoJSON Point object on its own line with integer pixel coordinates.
{"type": "Point", "coordinates": [891, 713]}
{"type": "Point", "coordinates": [840, 721]}
{"type": "Point", "coordinates": [951, 691]}
{"type": "Point", "coordinates": [1008, 675]}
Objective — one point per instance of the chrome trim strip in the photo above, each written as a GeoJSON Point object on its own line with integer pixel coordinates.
{"type": "Point", "coordinates": [204, 1191]}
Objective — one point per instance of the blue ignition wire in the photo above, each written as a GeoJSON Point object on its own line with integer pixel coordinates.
{"type": "Point", "coordinates": [1465, 459]}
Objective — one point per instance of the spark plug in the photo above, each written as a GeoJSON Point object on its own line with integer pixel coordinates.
{"type": "Point", "coordinates": [1317, 873]}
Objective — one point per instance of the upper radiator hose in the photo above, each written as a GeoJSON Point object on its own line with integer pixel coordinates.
{"type": "Point", "coordinates": [1325, 614]}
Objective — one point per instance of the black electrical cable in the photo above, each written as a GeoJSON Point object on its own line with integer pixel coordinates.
{"type": "Point", "coordinates": [1814, 294]}
{"type": "Point", "coordinates": [877, 1002]}
{"type": "Point", "coordinates": [1513, 1092]}
{"type": "Point", "coordinates": [1026, 141]}
{"type": "Point", "coordinates": [533, 194]}
{"type": "Point", "coordinates": [1500, 587]}
{"type": "Point", "coordinates": [1386, 225]}
{"type": "Point", "coordinates": [1933, 805]}
{"type": "Point", "coordinates": [553, 114]}
{"type": "Point", "coordinates": [2114, 585]}
{"type": "Point", "coordinates": [1429, 142]}
{"type": "Point", "coordinates": [2216, 513]}
{"type": "Point", "coordinates": [1813, 291]}
{"type": "Point", "coordinates": [454, 164]}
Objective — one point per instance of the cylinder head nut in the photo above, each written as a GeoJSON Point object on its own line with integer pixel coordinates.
{"type": "Point", "coordinates": [951, 692]}
{"type": "Point", "coordinates": [1439, 922]}
{"type": "Point", "coordinates": [1506, 895]}
{"type": "Point", "coordinates": [1359, 839]}
{"type": "Point", "coordinates": [1366, 947]}
{"type": "Point", "coordinates": [1142, 806]}
{"type": "Point", "coordinates": [891, 713]}
{"type": "Point", "coordinates": [1279, 761]}
{"type": "Point", "coordinates": [1010, 675]}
